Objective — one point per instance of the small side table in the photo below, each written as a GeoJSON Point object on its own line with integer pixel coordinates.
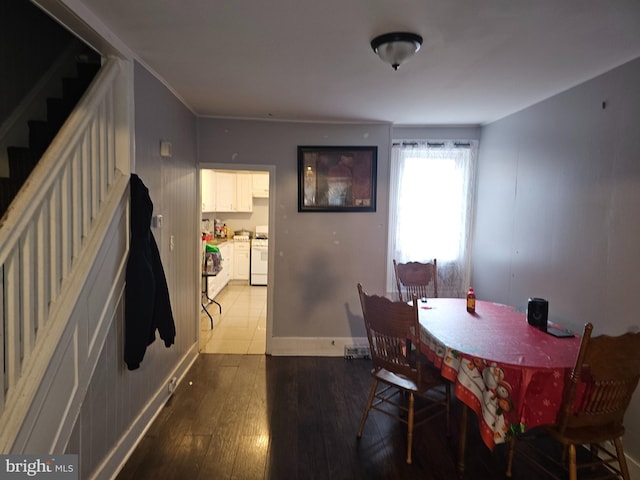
{"type": "Point", "coordinates": [205, 294]}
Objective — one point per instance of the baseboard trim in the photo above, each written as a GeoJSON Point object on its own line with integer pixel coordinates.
{"type": "Point", "coordinates": [313, 346]}
{"type": "Point", "coordinates": [117, 458]}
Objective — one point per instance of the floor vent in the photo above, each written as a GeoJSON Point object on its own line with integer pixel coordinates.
{"type": "Point", "coordinates": [351, 352]}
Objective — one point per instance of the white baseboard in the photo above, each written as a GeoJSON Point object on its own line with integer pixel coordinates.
{"type": "Point", "coordinates": [313, 347]}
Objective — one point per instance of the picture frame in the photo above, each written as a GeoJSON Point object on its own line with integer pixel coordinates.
{"type": "Point", "coordinates": [337, 179]}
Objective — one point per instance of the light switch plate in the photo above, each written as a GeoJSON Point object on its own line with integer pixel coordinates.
{"type": "Point", "coordinates": [165, 149]}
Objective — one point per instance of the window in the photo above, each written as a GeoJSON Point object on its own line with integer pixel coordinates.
{"type": "Point", "coordinates": [432, 191]}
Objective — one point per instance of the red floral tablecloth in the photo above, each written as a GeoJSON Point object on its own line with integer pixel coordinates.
{"type": "Point", "coordinates": [511, 374]}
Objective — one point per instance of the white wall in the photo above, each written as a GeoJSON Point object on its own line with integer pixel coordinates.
{"type": "Point", "coordinates": [557, 210]}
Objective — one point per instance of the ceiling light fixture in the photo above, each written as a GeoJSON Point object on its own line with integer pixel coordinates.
{"type": "Point", "coordinates": [396, 47]}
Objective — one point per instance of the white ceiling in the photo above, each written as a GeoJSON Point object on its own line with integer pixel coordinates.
{"type": "Point", "coordinates": [310, 60]}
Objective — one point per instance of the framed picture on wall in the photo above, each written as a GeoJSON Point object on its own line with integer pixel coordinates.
{"type": "Point", "coordinates": [337, 179]}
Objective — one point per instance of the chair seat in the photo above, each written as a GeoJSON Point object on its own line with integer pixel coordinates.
{"type": "Point", "coordinates": [585, 435]}
{"type": "Point", "coordinates": [430, 378]}
{"type": "Point", "coordinates": [391, 378]}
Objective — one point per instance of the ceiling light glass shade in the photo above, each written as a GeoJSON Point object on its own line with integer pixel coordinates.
{"type": "Point", "coordinates": [395, 48]}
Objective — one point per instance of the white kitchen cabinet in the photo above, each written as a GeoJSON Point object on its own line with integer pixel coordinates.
{"type": "Point", "coordinates": [241, 260]}
{"type": "Point", "coordinates": [244, 188]}
{"type": "Point", "coordinates": [213, 286]}
{"type": "Point", "coordinates": [232, 191]}
{"type": "Point", "coordinates": [207, 189]}
{"type": "Point", "coordinates": [226, 250]}
{"type": "Point", "coordinates": [260, 184]}
{"type": "Point", "coordinates": [225, 191]}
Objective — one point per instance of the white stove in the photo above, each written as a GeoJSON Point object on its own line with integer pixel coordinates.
{"type": "Point", "coordinates": [260, 256]}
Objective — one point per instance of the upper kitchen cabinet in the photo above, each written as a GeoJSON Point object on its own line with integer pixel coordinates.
{"type": "Point", "coordinates": [207, 190]}
{"type": "Point", "coordinates": [224, 191]}
{"type": "Point", "coordinates": [244, 186]}
{"type": "Point", "coordinates": [260, 184]}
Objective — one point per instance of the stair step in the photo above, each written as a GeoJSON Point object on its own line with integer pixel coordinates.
{"type": "Point", "coordinates": [87, 70]}
{"type": "Point", "coordinates": [72, 89]}
{"type": "Point", "coordinates": [57, 111]}
{"type": "Point", "coordinates": [22, 161]}
{"type": "Point", "coordinates": [40, 135]}
{"type": "Point", "coordinates": [8, 190]}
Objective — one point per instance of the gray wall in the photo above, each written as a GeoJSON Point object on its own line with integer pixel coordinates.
{"type": "Point", "coordinates": [557, 209]}
{"type": "Point", "coordinates": [120, 403]}
{"type": "Point", "coordinates": [173, 186]}
{"type": "Point", "coordinates": [319, 257]}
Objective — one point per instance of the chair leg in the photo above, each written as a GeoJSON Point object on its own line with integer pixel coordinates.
{"type": "Point", "coordinates": [447, 393]}
{"type": "Point", "coordinates": [622, 461]}
{"type": "Point", "coordinates": [464, 415]}
{"type": "Point", "coordinates": [512, 450]}
{"type": "Point", "coordinates": [573, 471]}
{"type": "Point", "coordinates": [365, 414]}
{"type": "Point", "coordinates": [410, 426]}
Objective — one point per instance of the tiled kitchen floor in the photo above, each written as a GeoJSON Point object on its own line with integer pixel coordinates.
{"type": "Point", "coordinates": [242, 327]}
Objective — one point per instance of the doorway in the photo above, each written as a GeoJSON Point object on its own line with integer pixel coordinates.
{"type": "Point", "coordinates": [242, 323]}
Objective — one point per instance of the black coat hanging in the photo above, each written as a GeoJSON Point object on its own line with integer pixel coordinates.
{"type": "Point", "coordinates": [147, 303]}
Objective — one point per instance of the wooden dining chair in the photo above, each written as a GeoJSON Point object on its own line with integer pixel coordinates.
{"type": "Point", "coordinates": [416, 278]}
{"type": "Point", "coordinates": [601, 385]}
{"type": "Point", "coordinates": [398, 375]}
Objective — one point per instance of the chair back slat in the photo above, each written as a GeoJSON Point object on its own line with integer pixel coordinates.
{"type": "Point", "coordinates": [603, 380]}
{"type": "Point", "coordinates": [416, 279]}
{"type": "Point", "coordinates": [389, 325]}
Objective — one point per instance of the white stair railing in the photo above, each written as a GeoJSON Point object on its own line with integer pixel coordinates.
{"type": "Point", "coordinates": [43, 238]}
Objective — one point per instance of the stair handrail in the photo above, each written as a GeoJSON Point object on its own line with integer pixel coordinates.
{"type": "Point", "coordinates": [37, 292]}
{"type": "Point", "coordinates": [14, 130]}
{"type": "Point", "coordinates": [47, 169]}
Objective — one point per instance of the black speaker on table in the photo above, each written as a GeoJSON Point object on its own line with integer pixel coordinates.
{"type": "Point", "coordinates": [538, 312]}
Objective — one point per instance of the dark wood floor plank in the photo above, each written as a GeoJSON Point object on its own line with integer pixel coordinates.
{"type": "Point", "coordinates": [282, 409]}
{"type": "Point", "coordinates": [312, 461]}
{"type": "Point", "coordinates": [340, 421]}
{"type": "Point", "coordinates": [140, 461]}
{"type": "Point", "coordinates": [225, 445]}
{"type": "Point", "coordinates": [187, 457]}
{"type": "Point", "coordinates": [252, 417]}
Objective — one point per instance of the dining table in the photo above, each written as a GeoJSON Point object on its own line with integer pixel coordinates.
{"type": "Point", "coordinates": [511, 374]}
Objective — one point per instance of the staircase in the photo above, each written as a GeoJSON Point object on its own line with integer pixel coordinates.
{"type": "Point", "coordinates": [23, 159]}
{"type": "Point", "coordinates": [65, 200]}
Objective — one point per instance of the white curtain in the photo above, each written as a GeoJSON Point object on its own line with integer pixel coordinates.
{"type": "Point", "coordinates": [431, 209]}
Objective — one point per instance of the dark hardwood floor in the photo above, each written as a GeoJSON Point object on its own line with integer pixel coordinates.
{"type": "Point", "coordinates": [284, 418]}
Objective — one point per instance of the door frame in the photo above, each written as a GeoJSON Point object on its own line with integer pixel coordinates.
{"type": "Point", "coordinates": [271, 169]}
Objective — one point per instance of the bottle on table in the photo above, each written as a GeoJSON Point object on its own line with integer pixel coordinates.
{"type": "Point", "coordinates": [471, 301]}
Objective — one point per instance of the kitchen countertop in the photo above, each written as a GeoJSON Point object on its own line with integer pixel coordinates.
{"type": "Point", "coordinates": [218, 241]}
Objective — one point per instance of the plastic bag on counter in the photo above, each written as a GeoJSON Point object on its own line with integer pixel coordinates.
{"type": "Point", "coordinates": [212, 259]}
